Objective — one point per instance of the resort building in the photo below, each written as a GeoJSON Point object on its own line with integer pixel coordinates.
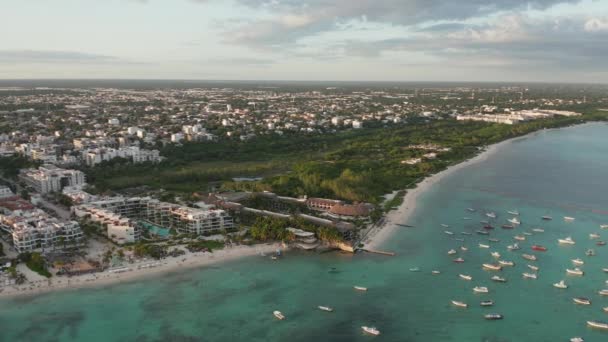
{"type": "Point", "coordinates": [340, 210]}
{"type": "Point", "coordinates": [50, 178]}
{"type": "Point", "coordinates": [34, 230]}
{"type": "Point", "coordinates": [119, 229]}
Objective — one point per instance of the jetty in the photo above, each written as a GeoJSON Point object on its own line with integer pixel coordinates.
{"type": "Point", "coordinates": [404, 225]}
{"type": "Point", "coordinates": [373, 251]}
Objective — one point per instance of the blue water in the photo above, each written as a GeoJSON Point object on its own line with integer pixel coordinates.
{"type": "Point", "coordinates": [557, 173]}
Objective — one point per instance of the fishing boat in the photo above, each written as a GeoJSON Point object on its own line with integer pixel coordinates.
{"type": "Point", "coordinates": [499, 279]}
{"type": "Point", "coordinates": [603, 292]}
{"type": "Point", "coordinates": [560, 285]}
{"type": "Point", "coordinates": [513, 212]}
{"type": "Point", "coordinates": [593, 236]}
{"type": "Point", "coordinates": [463, 248]}
{"type": "Point", "coordinates": [597, 325]}
{"type": "Point", "coordinates": [486, 303]}
{"type": "Point", "coordinates": [465, 277]}
{"type": "Point", "coordinates": [492, 267]}
{"type": "Point", "coordinates": [533, 268]}
{"type": "Point", "coordinates": [360, 288]}
{"type": "Point", "coordinates": [604, 226]}
{"type": "Point", "coordinates": [601, 243]}
{"type": "Point", "coordinates": [458, 260]}
{"type": "Point", "coordinates": [460, 304]}
{"type": "Point", "coordinates": [452, 252]}
{"type": "Point", "coordinates": [496, 255]}
{"type": "Point", "coordinates": [480, 289]}
{"type": "Point", "coordinates": [519, 238]}
{"type": "Point", "coordinates": [578, 262]}
{"type": "Point", "coordinates": [514, 221]}
{"type": "Point", "coordinates": [481, 245]}
{"type": "Point", "coordinates": [590, 252]}
{"type": "Point", "coordinates": [491, 215]}
{"type": "Point", "coordinates": [448, 232]}
{"type": "Point", "coordinates": [506, 263]}
{"type": "Point", "coordinates": [539, 248]}
{"type": "Point", "coordinates": [513, 247]}
{"type": "Point", "coordinates": [482, 232]}
{"type": "Point", "coordinates": [529, 275]}
{"type": "Point", "coordinates": [529, 257]}
{"type": "Point", "coordinates": [582, 300]}
{"type": "Point", "coordinates": [575, 271]}
{"type": "Point", "coordinates": [278, 315]}
{"type": "Point", "coordinates": [507, 226]}
{"type": "Point", "coordinates": [370, 330]}
{"type": "Point", "coordinates": [569, 219]}
{"type": "Point", "coordinates": [493, 317]}
{"type": "Point", "coordinates": [325, 308]}
{"type": "Point", "coordinates": [547, 218]}
{"type": "Point", "coordinates": [566, 241]}
{"type": "Point", "coordinates": [538, 230]}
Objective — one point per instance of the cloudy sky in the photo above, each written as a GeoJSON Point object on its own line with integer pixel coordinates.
{"type": "Point", "coordinates": [396, 40]}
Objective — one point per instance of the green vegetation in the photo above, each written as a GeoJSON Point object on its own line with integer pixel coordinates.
{"type": "Point", "coordinates": [267, 228]}
{"type": "Point", "coordinates": [35, 262]}
{"type": "Point", "coordinates": [150, 250]}
{"type": "Point", "coordinates": [395, 201]}
{"type": "Point", "coordinates": [356, 165]}
{"type": "Point", "coordinates": [204, 245]}
{"type": "Point", "coordinates": [10, 166]}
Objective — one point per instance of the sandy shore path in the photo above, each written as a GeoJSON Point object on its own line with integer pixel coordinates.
{"type": "Point", "coordinates": [139, 270]}
{"type": "Point", "coordinates": [379, 235]}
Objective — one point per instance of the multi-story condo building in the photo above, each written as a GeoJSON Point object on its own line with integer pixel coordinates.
{"type": "Point", "coordinates": [35, 230]}
{"type": "Point", "coordinates": [50, 178]}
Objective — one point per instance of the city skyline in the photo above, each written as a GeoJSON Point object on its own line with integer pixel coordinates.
{"type": "Point", "coordinates": [357, 40]}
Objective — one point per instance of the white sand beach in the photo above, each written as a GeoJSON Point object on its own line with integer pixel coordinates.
{"type": "Point", "coordinates": [135, 271]}
{"type": "Point", "coordinates": [379, 235]}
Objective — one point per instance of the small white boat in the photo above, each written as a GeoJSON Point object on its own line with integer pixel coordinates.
{"type": "Point", "coordinates": [527, 234]}
{"type": "Point", "coordinates": [492, 267]}
{"type": "Point", "coordinates": [529, 257]}
{"type": "Point", "coordinates": [513, 247]}
{"type": "Point", "coordinates": [481, 245]}
{"type": "Point", "coordinates": [569, 219]}
{"type": "Point", "coordinates": [463, 248]}
{"type": "Point", "coordinates": [496, 255]}
{"type": "Point", "coordinates": [577, 339]}
{"type": "Point", "coordinates": [514, 221]}
{"type": "Point", "coordinates": [533, 268]}
{"type": "Point", "coordinates": [415, 269]}
{"type": "Point", "coordinates": [480, 289]}
{"type": "Point", "coordinates": [471, 210]}
{"type": "Point", "coordinates": [360, 288]}
{"type": "Point", "coordinates": [499, 279]}
{"type": "Point", "coordinates": [325, 308]}
{"type": "Point", "coordinates": [278, 315]}
{"type": "Point", "coordinates": [449, 232]}
{"type": "Point", "coordinates": [370, 330]}
{"type": "Point", "coordinates": [491, 215]}
{"type": "Point", "coordinates": [513, 212]}
{"type": "Point", "coordinates": [590, 252]}
{"type": "Point", "coordinates": [566, 241]}
{"type": "Point", "coordinates": [606, 309]}
{"type": "Point", "coordinates": [603, 292]}
{"type": "Point", "coordinates": [593, 236]}
{"type": "Point", "coordinates": [538, 230]}
{"type": "Point", "coordinates": [460, 304]}
{"type": "Point", "coordinates": [445, 225]}
{"type": "Point", "coordinates": [465, 277]}
{"type": "Point", "coordinates": [530, 275]}
{"type": "Point", "coordinates": [435, 272]}
{"type": "Point", "coordinates": [452, 252]}
{"type": "Point", "coordinates": [578, 262]}
{"type": "Point", "coordinates": [519, 238]}
{"type": "Point", "coordinates": [575, 271]}
{"type": "Point", "coordinates": [581, 300]}
{"type": "Point", "coordinates": [467, 218]}
{"type": "Point", "coordinates": [561, 285]}
{"type": "Point", "coordinates": [486, 303]}
{"type": "Point", "coordinates": [598, 325]}
{"type": "Point", "coordinates": [506, 263]}
{"type": "Point", "coordinates": [604, 226]}
{"type": "Point", "coordinates": [466, 233]}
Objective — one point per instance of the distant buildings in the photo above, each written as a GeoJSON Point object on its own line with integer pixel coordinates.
{"type": "Point", "coordinates": [50, 178]}
{"type": "Point", "coordinates": [134, 153]}
{"type": "Point", "coordinates": [515, 117]}
{"type": "Point", "coordinates": [5, 192]}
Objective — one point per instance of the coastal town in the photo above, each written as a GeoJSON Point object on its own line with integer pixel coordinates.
{"type": "Point", "coordinates": [56, 226]}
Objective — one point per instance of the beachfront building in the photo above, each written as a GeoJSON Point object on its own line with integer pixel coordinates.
{"type": "Point", "coordinates": [50, 178]}
{"type": "Point", "coordinates": [339, 209]}
{"type": "Point", "coordinates": [34, 230]}
{"type": "Point", "coordinates": [119, 228]}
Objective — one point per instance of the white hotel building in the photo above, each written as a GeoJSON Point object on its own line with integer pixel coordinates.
{"type": "Point", "coordinates": [50, 178]}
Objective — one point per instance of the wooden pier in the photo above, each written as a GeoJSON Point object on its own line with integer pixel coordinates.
{"type": "Point", "coordinates": [379, 252]}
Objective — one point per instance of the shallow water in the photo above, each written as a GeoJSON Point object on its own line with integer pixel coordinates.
{"type": "Point", "coordinates": [559, 173]}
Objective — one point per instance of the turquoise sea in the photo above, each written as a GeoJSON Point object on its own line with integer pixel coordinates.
{"type": "Point", "coordinates": [558, 173]}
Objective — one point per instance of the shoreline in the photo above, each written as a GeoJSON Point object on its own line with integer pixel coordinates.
{"type": "Point", "coordinates": [137, 271]}
{"type": "Point", "coordinates": [379, 235]}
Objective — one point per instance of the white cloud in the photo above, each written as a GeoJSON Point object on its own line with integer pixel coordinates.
{"type": "Point", "coordinates": [596, 25]}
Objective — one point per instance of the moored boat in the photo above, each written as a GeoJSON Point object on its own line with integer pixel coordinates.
{"type": "Point", "coordinates": [506, 263]}
{"type": "Point", "coordinates": [360, 288]}
{"type": "Point", "coordinates": [471, 210]}
{"type": "Point", "coordinates": [566, 241]}
{"type": "Point", "coordinates": [493, 317]}
{"type": "Point", "coordinates": [370, 330]}
{"type": "Point", "coordinates": [491, 215]}
{"type": "Point", "coordinates": [452, 252]}
{"type": "Point", "coordinates": [513, 247]}
{"type": "Point", "coordinates": [604, 226]}
{"type": "Point", "coordinates": [466, 233]}
{"type": "Point", "coordinates": [529, 257]}
{"type": "Point", "coordinates": [578, 261]}
{"type": "Point", "coordinates": [603, 292]}
{"type": "Point", "coordinates": [598, 325]}
{"type": "Point", "coordinates": [488, 227]}
{"type": "Point", "coordinates": [458, 260]}
{"type": "Point", "coordinates": [480, 289]}
{"type": "Point", "coordinates": [499, 279]}
{"type": "Point", "coordinates": [493, 240]}
{"type": "Point", "coordinates": [463, 248]}
{"type": "Point", "coordinates": [492, 267]}
{"type": "Point", "coordinates": [569, 219]}
{"type": "Point", "coordinates": [507, 226]}
{"type": "Point", "coordinates": [601, 243]}
{"type": "Point", "coordinates": [547, 218]}
{"type": "Point", "coordinates": [415, 269]}
{"type": "Point", "coordinates": [561, 285]}
{"type": "Point", "coordinates": [481, 245]}
{"type": "Point", "coordinates": [529, 275]}
{"type": "Point", "coordinates": [486, 303]}
{"type": "Point", "coordinates": [435, 272]}
{"type": "Point", "coordinates": [325, 308]}
{"type": "Point", "coordinates": [278, 315]}
{"type": "Point", "coordinates": [575, 271]}
{"type": "Point", "coordinates": [519, 238]}
{"type": "Point", "coordinates": [539, 248]}
{"type": "Point", "coordinates": [482, 232]}
{"type": "Point", "coordinates": [496, 255]}
{"type": "Point", "coordinates": [445, 225]}
{"type": "Point", "coordinates": [533, 268]}
{"type": "Point", "coordinates": [590, 252]}
{"type": "Point", "coordinates": [538, 230]}
{"type": "Point", "coordinates": [594, 236]}
{"type": "Point", "coordinates": [581, 300]}
{"type": "Point", "coordinates": [460, 304]}
{"type": "Point", "coordinates": [465, 276]}
{"type": "Point", "coordinates": [514, 221]}
{"type": "Point", "coordinates": [448, 232]}
{"type": "Point", "coordinates": [606, 309]}
{"type": "Point", "coordinates": [513, 212]}
{"type": "Point", "coordinates": [577, 339]}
